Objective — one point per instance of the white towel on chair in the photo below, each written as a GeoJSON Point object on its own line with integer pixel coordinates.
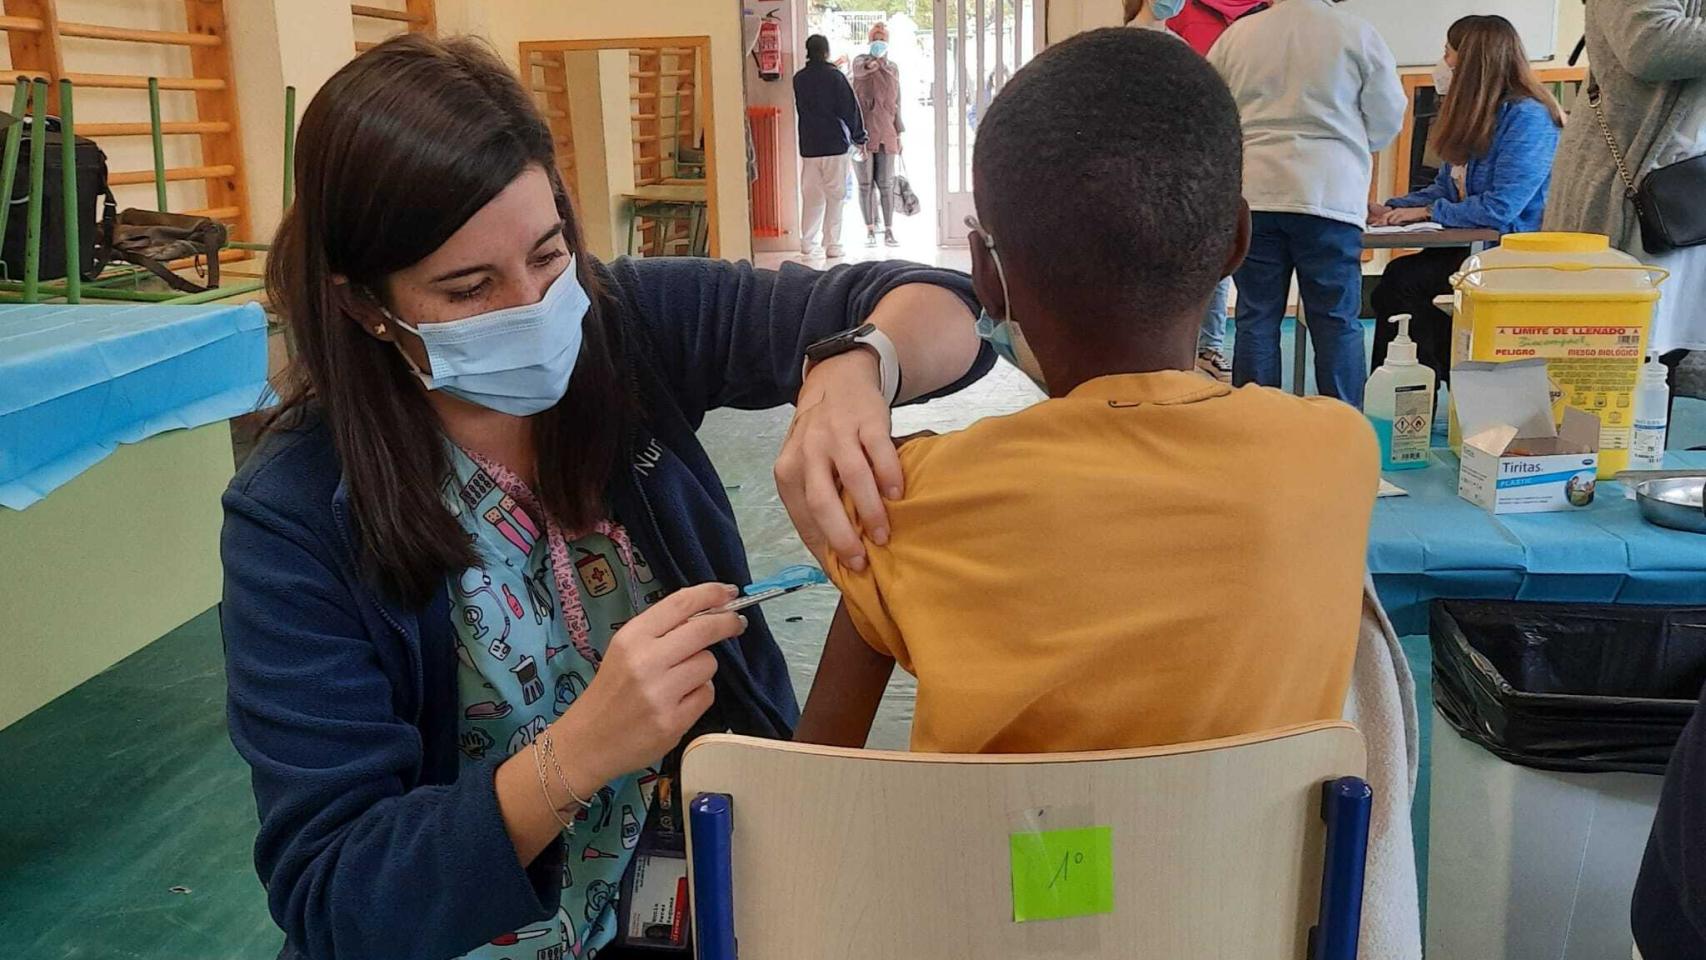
{"type": "Point", "coordinates": [1382, 703]}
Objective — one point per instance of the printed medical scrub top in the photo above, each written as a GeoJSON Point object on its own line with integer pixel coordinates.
{"type": "Point", "coordinates": [532, 624]}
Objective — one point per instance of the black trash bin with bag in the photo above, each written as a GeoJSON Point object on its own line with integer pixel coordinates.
{"type": "Point", "coordinates": [1541, 802]}
{"type": "Point", "coordinates": [1572, 687]}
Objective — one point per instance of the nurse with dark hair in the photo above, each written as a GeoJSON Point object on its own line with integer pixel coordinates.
{"type": "Point", "coordinates": [474, 575]}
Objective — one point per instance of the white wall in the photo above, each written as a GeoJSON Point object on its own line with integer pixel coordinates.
{"type": "Point", "coordinates": [592, 173]}
{"type": "Point", "coordinates": [618, 156]}
{"type": "Point", "coordinates": [780, 94]}
{"type": "Point", "coordinates": [1572, 16]}
{"type": "Point", "coordinates": [1067, 17]}
{"type": "Point", "coordinates": [278, 43]}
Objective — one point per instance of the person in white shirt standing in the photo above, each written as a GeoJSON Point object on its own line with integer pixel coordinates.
{"type": "Point", "coordinates": [1318, 92]}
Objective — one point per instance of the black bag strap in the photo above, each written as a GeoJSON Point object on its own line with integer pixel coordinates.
{"type": "Point", "coordinates": [210, 238]}
{"type": "Point", "coordinates": [104, 234]}
{"type": "Point", "coordinates": [162, 271]}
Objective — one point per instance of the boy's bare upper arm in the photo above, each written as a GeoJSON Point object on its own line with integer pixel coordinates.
{"type": "Point", "coordinates": [847, 690]}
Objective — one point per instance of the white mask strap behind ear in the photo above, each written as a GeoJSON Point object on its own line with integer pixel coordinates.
{"type": "Point", "coordinates": [995, 255]}
{"type": "Point", "coordinates": [384, 311]}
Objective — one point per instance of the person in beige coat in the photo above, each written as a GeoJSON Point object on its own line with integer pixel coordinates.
{"type": "Point", "coordinates": [876, 83]}
{"type": "Point", "coordinates": [1649, 59]}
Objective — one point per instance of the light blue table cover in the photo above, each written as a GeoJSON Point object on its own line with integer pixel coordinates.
{"type": "Point", "coordinates": [1434, 544]}
{"type": "Point", "coordinates": [77, 381]}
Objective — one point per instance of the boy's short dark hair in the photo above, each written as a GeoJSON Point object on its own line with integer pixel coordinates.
{"type": "Point", "coordinates": [1111, 169]}
{"type": "Point", "coordinates": [817, 47]}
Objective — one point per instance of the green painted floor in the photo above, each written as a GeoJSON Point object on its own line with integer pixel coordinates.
{"type": "Point", "coordinates": [118, 792]}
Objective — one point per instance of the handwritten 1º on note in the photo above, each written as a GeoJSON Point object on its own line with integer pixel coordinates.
{"type": "Point", "coordinates": [1061, 874]}
{"type": "Point", "coordinates": [1066, 862]}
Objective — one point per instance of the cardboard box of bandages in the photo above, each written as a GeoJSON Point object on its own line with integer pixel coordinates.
{"type": "Point", "coordinates": [1516, 458]}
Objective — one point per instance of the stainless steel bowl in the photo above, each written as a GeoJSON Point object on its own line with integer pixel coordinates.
{"type": "Point", "coordinates": [1674, 503]}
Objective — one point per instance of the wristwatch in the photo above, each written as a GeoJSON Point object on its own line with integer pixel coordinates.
{"type": "Point", "coordinates": [866, 337]}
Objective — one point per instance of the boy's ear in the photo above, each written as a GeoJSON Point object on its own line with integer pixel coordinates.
{"type": "Point", "coordinates": [1241, 243]}
{"type": "Point", "coordinates": [985, 281]}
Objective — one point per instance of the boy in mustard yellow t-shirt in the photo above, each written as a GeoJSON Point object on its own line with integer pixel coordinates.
{"type": "Point", "coordinates": [1149, 556]}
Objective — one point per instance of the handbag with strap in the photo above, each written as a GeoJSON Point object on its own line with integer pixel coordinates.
{"type": "Point", "coordinates": [909, 203]}
{"type": "Point", "coordinates": [152, 240]}
{"type": "Point", "coordinates": [1670, 201]}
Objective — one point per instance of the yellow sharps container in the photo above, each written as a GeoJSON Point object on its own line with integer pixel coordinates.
{"type": "Point", "coordinates": [1570, 298]}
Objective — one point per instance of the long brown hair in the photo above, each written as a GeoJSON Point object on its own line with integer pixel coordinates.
{"type": "Point", "coordinates": [396, 152]}
{"type": "Point", "coordinates": [1492, 69]}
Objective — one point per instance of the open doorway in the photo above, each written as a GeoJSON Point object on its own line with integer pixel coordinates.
{"type": "Point", "coordinates": [852, 26]}
{"type": "Point", "coordinates": [978, 45]}
{"type": "Point", "coordinates": [777, 199]}
{"type": "Point", "coordinates": [951, 57]}
{"type": "Point", "coordinates": [630, 118]}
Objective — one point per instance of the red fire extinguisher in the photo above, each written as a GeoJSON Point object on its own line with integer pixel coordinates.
{"type": "Point", "coordinates": [768, 52]}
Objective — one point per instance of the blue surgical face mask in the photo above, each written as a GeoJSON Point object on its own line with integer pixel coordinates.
{"type": "Point", "coordinates": [879, 48]}
{"type": "Point", "coordinates": [1004, 335]}
{"type": "Point", "coordinates": [1166, 9]}
{"type": "Point", "coordinates": [1009, 343]}
{"type": "Point", "coordinates": [517, 360]}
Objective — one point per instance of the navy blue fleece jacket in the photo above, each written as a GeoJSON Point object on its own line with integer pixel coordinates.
{"type": "Point", "coordinates": [372, 843]}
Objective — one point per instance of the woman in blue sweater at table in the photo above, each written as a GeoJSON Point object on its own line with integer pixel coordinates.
{"type": "Point", "coordinates": [1497, 131]}
{"type": "Point", "coordinates": [472, 578]}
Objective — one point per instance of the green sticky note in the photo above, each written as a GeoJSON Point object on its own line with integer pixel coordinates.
{"type": "Point", "coordinates": [1062, 873]}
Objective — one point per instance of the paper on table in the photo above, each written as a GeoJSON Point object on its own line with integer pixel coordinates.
{"type": "Point", "coordinates": [1426, 226]}
{"type": "Point", "coordinates": [1390, 489]}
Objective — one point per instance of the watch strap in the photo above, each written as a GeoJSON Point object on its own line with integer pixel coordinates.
{"type": "Point", "coordinates": [888, 360]}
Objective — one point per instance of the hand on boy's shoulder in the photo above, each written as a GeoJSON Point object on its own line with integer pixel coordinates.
{"type": "Point", "coordinates": [913, 450]}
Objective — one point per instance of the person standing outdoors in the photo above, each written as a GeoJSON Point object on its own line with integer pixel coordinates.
{"type": "Point", "coordinates": [830, 126]}
{"type": "Point", "coordinates": [1318, 93]}
{"type": "Point", "coordinates": [876, 81]}
{"type": "Point", "coordinates": [1647, 61]}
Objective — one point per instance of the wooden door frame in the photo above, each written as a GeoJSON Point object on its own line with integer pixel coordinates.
{"type": "Point", "coordinates": [703, 96]}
